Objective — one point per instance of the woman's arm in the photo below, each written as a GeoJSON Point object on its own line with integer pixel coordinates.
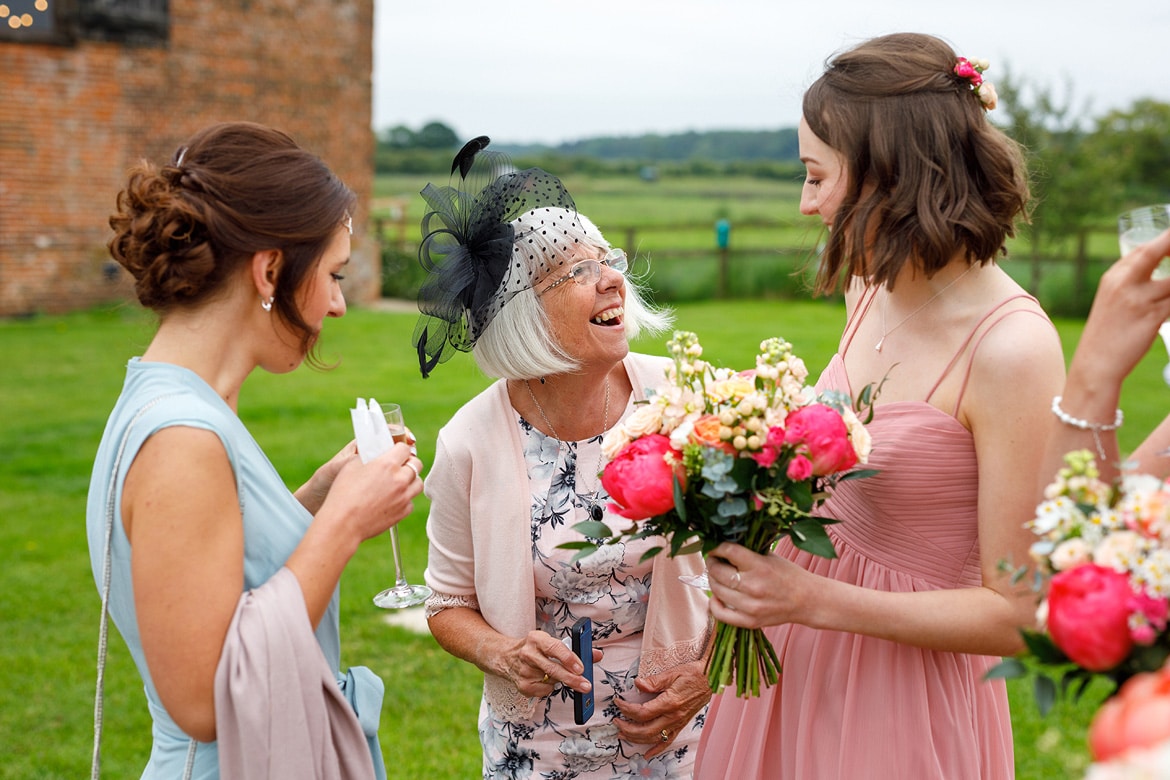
{"type": "Point", "coordinates": [364, 500]}
{"type": "Point", "coordinates": [1010, 430]}
{"type": "Point", "coordinates": [525, 662]}
{"type": "Point", "coordinates": [1127, 311]}
{"type": "Point", "coordinates": [187, 554]}
{"type": "Point", "coordinates": [187, 565]}
{"type": "Point", "coordinates": [312, 494]}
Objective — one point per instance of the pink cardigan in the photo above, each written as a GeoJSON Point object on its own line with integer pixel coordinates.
{"type": "Point", "coordinates": [478, 529]}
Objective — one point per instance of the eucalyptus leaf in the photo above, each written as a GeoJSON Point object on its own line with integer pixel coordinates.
{"type": "Point", "coordinates": [1007, 669]}
{"type": "Point", "coordinates": [594, 529]}
{"type": "Point", "coordinates": [1044, 691]}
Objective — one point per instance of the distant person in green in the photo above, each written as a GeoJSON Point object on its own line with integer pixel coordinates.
{"type": "Point", "coordinates": [884, 648]}
{"type": "Point", "coordinates": [223, 583]}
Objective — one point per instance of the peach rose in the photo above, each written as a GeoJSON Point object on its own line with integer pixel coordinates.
{"type": "Point", "coordinates": [1137, 717]}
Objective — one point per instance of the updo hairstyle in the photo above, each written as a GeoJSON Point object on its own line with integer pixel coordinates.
{"type": "Point", "coordinates": [927, 176]}
{"type": "Point", "coordinates": [183, 229]}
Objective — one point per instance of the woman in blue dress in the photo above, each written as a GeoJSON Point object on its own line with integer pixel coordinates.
{"type": "Point", "coordinates": [238, 244]}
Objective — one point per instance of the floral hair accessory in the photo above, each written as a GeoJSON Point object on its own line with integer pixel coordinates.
{"type": "Point", "coordinates": [469, 246]}
{"type": "Point", "coordinates": [972, 71]}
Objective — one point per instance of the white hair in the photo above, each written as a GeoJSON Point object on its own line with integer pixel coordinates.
{"type": "Point", "coordinates": [518, 343]}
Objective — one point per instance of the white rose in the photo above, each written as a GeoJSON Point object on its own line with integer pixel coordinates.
{"type": "Point", "coordinates": [1118, 550]}
{"type": "Point", "coordinates": [858, 436]}
{"type": "Point", "coordinates": [646, 419]}
{"type": "Point", "coordinates": [1070, 553]}
{"type": "Point", "coordinates": [614, 442]}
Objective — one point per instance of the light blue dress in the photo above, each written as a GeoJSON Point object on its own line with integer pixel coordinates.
{"type": "Point", "coordinates": [274, 522]}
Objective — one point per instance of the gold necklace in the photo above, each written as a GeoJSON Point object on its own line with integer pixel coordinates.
{"type": "Point", "coordinates": [595, 510]}
{"type": "Point", "coordinates": [904, 320]}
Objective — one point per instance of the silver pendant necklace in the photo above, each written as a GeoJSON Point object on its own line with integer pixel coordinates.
{"type": "Point", "coordinates": [904, 320]}
{"type": "Point", "coordinates": [595, 510]}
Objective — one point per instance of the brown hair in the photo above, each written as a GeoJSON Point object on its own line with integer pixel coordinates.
{"type": "Point", "coordinates": [927, 175]}
{"type": "Point", "coordinates": [232, 190]}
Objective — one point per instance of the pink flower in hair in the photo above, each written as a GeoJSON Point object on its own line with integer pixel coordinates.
{"type": "Point", "coordinates": [965, 69]}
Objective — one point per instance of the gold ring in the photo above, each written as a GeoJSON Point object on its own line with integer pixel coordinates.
{"type": "Point", "coordinates": [412, 467]}
{"type": "Point", "coordinates": [665, 735]}
{"type": "Point", "coordinates": [735, 581]}
{"type": "Point", "coordinates": [545, 680]}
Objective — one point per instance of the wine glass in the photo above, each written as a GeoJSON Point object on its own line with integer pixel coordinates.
{"type": "Point", "coordinates": [402, 593]}
{"type": "Point", "coordinates": [1137, 227]}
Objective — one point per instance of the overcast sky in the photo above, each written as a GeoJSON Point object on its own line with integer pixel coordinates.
{"type": "Point", "coordinates": [551, 71]}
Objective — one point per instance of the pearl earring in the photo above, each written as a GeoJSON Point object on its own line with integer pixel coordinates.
{"type": "Point", "coordinates": [267, 305]}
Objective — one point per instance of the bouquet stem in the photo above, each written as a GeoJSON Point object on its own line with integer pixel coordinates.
{"type": "Point", "coordinates": [742, 654]}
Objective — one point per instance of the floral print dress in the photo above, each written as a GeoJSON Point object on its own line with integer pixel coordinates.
{"type": "Point", "coordinates": [611, 587]}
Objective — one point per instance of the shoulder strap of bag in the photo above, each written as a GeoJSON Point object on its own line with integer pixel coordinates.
{"type": "Point", "coordinates": [104, 629]}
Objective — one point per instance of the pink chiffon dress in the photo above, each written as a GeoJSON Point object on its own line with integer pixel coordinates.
{"type": "Point", "coordinates": [854, 706]}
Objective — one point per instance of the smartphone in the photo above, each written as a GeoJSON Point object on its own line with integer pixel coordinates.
{"type": "Point", "coordinates": [582, 645]}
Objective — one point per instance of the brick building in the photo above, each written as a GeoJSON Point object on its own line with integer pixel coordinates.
{"type": "Point", "coordinates": [87, 87]}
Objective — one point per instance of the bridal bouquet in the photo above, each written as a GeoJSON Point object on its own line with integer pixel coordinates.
{"type": "Point", "coordinates": [718, 455]}
{"type": "Point", "coordinates": [1103, 553]}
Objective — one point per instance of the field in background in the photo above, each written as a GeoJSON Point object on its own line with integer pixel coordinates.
{"type": "Point", "coordinates": [668, 227]}
{"type": "Point", "coordinates": [61, 376]}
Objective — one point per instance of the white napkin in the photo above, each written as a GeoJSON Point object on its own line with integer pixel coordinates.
{"type": "Point", "coordinates": [370, 430]}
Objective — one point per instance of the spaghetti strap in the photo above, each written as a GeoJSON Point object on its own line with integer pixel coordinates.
{"type": "Point", "coordinates": [982, 332]}
{"type": "Point", "coordinates": [854, 321]}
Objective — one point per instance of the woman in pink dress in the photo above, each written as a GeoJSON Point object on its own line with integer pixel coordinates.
{"type": "Point", "coordinates": [884, 648]}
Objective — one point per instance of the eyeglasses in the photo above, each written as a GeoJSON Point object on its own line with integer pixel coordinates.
{"type": "Point", "coordinates": [587, 272]}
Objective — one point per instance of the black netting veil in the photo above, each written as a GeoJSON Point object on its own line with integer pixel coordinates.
{"type": "Point", "coordinates": [473, 253]}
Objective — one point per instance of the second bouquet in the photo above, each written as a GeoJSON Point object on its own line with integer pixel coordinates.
{"type": "Point", "coordinates": [718, 455]}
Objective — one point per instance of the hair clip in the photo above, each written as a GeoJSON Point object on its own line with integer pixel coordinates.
{"type": "Point", "coordinates": [972, 71]}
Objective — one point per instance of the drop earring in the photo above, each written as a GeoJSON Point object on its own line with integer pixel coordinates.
{"type": "Point", "coordinates": [267, 305]}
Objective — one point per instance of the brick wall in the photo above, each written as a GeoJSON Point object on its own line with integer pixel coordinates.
{"type": "Point", "coordinates": [74, 117]}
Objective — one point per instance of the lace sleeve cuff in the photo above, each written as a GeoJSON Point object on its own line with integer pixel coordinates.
{"type": "Point", "coordinates": [437, 602]}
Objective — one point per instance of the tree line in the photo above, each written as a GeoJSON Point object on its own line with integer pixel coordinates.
{"type": "Point", "coordinates": [1084, 169]}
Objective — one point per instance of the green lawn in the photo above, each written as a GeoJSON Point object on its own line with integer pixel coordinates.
{"type": "Point", "coordinates": [62, 374]}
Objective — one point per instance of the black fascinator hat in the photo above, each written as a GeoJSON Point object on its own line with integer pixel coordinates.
{"type": "Point", "coordinates": [472, 251]}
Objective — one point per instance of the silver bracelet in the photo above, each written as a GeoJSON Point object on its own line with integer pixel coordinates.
{"type": "Point", "coordinates": [1085, 425]}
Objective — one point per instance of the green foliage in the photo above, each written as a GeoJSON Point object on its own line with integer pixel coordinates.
{"type": "Point", "coordinates": [1136, 144]}
{"type": "Point", "coordinates": [432, 135]}
{"type": "Point", "coordinates": [711, 146]}
{"type": "Point", "coordinates": [402, 274]}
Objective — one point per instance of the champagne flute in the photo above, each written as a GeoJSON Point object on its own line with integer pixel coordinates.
{"type": "Point", "coordinates": [1137, 227]}
{"type": "Point", "coordinates": [402, 593]}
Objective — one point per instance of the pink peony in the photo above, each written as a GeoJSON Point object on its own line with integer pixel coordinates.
{"type": "Point", "coordinates": [819, 433]}
{"type": "Point", "coordinates": [1137, 717]}
{"type": "Point", "coordinates": [1088, 615]}
{"type": "Point", "coordinates": [640, 480]}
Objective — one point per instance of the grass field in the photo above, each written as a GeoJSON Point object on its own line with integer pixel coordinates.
{"type": "Point", "coordinates": [61, 376]}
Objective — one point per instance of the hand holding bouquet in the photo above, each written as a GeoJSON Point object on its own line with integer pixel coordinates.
{"type": "Point", "coordinates": [718, 456]}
